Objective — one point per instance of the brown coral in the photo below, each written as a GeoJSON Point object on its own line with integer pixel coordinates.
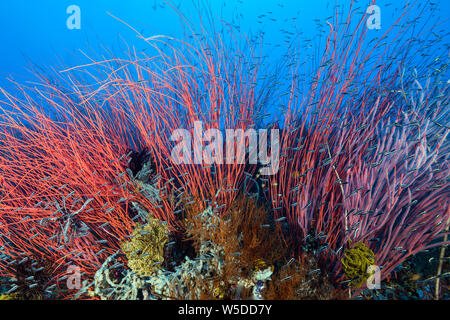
{"type": "Point", "coordinates": [246, 237]}
{"type": "Point", "coordinates": [301, 280]}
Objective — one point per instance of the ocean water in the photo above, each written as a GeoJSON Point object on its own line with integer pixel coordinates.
{"type": "Point", "coordinates": [37, 30]}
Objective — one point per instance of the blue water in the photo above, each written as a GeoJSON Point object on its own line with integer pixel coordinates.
{"type": "Point", "coordinates": [36, 31]}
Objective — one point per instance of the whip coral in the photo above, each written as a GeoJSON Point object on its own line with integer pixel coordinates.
{"type": "Point", "coordinates": [366, 154]}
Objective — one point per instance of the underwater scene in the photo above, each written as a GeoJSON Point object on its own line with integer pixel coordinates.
{"type": "Point", "coordinates": [224, 150]}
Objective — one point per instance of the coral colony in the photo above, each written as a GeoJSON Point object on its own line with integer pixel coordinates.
{"type": "Point", "coordinates": [213, 153]}
{"type": "Point", "coordinates": [194, 173]}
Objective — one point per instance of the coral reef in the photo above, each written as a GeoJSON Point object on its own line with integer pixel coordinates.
{"type": "Point", "coordinates": [87, 177]}
{"type": "Point", "coordinates": [236, 254]}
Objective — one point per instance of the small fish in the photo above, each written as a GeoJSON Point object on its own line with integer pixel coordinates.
{"type": "Point", "coordinates": [13, 288]}
{"type": "Point", "coordinates": [284, 279]}
{"type": "Point", "coordinates": [109, 210]}
{"type": "Point", "coordinates": [290, 262]}
{"type": "Point", "coordinates": [314, 271]}
{"type": "Point", "coordinates": [23, 260]}
{"type": "Point", "coordinates": [38, 269]}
